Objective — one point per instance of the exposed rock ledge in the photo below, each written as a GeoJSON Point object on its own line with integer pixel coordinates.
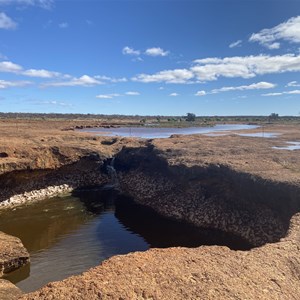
{"type": "Point", "coordinates": [12, 253]}
{"type": "Point", "coordinates": [36, 195]}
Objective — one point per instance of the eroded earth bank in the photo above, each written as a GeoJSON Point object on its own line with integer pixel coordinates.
{"type": "Point", "coordinates": [239, 185]}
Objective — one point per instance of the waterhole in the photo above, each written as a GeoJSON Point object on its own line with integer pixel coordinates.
{"type": "Point", "coordinates": [68, 235]}
{"type": "Point", "coordinates": [165, 132]}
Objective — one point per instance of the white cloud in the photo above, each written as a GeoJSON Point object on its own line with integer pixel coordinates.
{"type": "Point", "coordinates": [46, 4]}
{"type": "Point", "coordinates": [288, 31]}
{"type": "Point", "coordinates": [253, 86]}
{"type": "Point", "coordinates": [244, 66]}
{"type": "Point", "coordinates": [130, 51]}
{"type": "Point", "coordinates": [63, 25]}
{"type": "Point", "coordinates": [236, 44]}
{"type": "Point", "coordinates": [174, 95]}
{"type": "Point", "coordinates": [6, 22]}
{"type": "Point", "coordinates": [272, 94]}
{"type": "Point", "coordinates": [132, 93]}
{"type": "Point", "coordinates": [9, 67]}
{"type": "Point", "coordinates": [212, 68]}
{"type": "Point", "coordinates": [65, 79]}
{"type": "Point", "coordinates": [7, 84]}
{"type": "Point", "coordinates": [111, 96]}
{"type": "Point", "coordinates": [56, 103]}
{"type": "Point", "coordinates": [104, 97]}
{"type": "Point", "coordinates": [200, 93]}
{"type": "Point", "coordinates": [84, 80]}
{"type": "Point", "coordinates": [107, 96]}
{"type": "Point", "coordinates": [156, 51]}
{"type": "Point", "coordinates": [168, 76]}
{"type": "Point", "coordinates": [41, 73]}
{"type": "Point", "coordinates": [110, 79]}
{"type": "Point", "coordinates": [52, 103]}
{"type": "Point", "coordinates": [273, 46]}
{"type": "Point", "coordinates": [294, 92]}
{"type": "Point", "coordinates": [293, 84]}
{"type": "Point", "coordinates": [137, 59]}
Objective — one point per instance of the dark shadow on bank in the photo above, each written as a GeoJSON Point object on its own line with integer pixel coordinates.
{"type": "Point", "coordinates": [223, 198]}
{"type": "Point", "coordinates": [156, 230]}
{"type": "Point", "coordinates": [162, 232]}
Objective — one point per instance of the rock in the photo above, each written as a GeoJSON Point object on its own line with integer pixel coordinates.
{"type": "Point", "coordinates": [13, 254]}
{"type": "Point", "coordinates": [3, 155]}
{"type": "Point", "coordinates": [109, 142]}
{"type": "Point", "coordinates": [9, 291]}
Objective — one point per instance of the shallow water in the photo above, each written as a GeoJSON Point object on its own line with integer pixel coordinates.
{"type": "Point", "coordinates": [262, 134]}
{"type": "Point", "coordinates": [68, 235]}
{"type": "Point", "coordinates": [291, 146]}
{"type": "Point", "coordinates": [155, 132]}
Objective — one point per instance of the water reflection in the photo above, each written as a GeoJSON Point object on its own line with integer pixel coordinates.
{"type": "Point", "coordinates": [160, 232]}
{"type": "Point", "coordinates": [66, 236]}
{"type": "Point", "coordinates": [41, 224]}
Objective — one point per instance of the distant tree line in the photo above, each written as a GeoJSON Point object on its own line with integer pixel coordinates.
{"type": "Point", "coordinates": [190, 117]}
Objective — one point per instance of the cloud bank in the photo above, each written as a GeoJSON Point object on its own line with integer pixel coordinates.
{"type": "Point", "coordinates": [287, 31]}
{"type": "Point", "coordinates": [212, 68]}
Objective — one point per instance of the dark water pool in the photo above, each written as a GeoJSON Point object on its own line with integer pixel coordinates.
{"type": "Point", "coordinates": [68, 235]}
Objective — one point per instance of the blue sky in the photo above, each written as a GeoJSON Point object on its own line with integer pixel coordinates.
{"type": "Point", "coordinates": [214, 57]}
